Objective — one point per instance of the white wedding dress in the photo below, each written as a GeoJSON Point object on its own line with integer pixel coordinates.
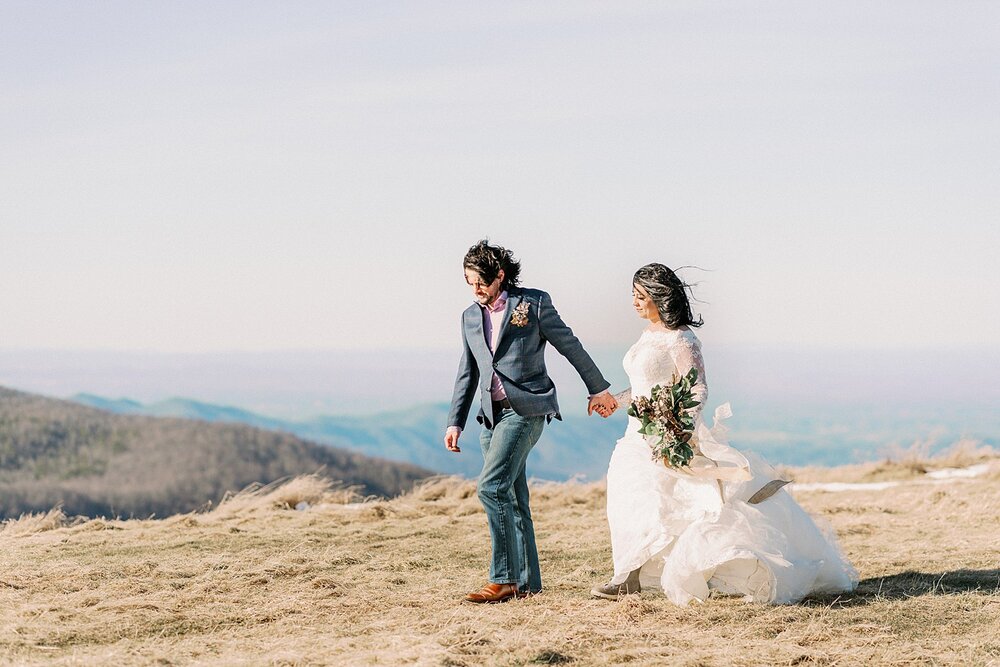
{"type": "Point", "coordinates": [692, 531]}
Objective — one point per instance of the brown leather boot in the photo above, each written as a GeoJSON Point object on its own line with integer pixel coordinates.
{"type": "Point", "coordinates": [611, 591]}
{"type": "Point", "coordinates": [491, 593]}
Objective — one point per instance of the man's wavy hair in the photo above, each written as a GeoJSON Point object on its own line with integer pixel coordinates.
{"type": "Point", "coordinates": [487, 260]}
{"type": "Point", "coordinates": [669, 294]}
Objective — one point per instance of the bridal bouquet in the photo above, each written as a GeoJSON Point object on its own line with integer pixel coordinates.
{"type": "Point", "coordinates": [666, 413]}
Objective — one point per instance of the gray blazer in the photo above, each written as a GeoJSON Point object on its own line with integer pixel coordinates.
{"type": "Point", "coordinates": [519, 361]}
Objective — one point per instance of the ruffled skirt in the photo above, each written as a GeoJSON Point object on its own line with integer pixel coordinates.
{"type": "Point", "coordinates": [695, 535]}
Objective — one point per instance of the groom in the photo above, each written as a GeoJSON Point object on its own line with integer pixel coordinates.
{"type": "Point", "coordinates": [503, 360]}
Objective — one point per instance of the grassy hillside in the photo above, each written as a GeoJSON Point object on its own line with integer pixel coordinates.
{"type": "Point", "coordinates": [254, 582]}
{"type": "Point", "coordinates": [96, 463]}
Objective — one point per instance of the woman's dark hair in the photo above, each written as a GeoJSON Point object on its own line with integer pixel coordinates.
{"type": "Point", "coordinates": [669, 293]}
{"type": "Point", "coordinates": [487, 260]}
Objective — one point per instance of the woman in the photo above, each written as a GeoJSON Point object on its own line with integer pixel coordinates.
{"type": "Point", "coordinates": [722, 525]}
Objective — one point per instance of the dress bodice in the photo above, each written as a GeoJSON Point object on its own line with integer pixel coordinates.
{"type": "Point", "coordinates": [660, 354]}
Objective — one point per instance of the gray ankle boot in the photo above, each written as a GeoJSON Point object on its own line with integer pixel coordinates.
{"type": "Point", "coordinates": [611, 591]}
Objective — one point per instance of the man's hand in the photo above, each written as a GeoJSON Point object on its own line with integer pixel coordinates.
{"type": "Point", "coordinates": [451, 440]}
{"type": "Point", "coordinates": [604, 404]}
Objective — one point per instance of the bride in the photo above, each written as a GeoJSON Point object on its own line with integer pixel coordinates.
{"type": "Point", "coordinates": [723, 525]}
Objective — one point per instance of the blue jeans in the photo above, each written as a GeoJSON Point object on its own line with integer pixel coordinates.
{"type": "Point", "coordinates": [503, 491]}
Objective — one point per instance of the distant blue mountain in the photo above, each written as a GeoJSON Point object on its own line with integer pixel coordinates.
{"type": "Point", "coordinates": [122, 406]}
{"type": "Point", "coordinates": [183, 408]}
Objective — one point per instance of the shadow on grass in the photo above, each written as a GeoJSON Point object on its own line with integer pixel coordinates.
{"type": "Point", "coordinates": [911, 584]}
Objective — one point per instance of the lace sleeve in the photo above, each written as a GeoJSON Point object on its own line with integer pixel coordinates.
{"type": "Point", "coordinates": [624, 397]}
{"type": "Point", "coordinates": [686, 354]}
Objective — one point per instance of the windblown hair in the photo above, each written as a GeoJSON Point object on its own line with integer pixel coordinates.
{"type": "Point", "coordinates": [487, 260]}
{"type": "Point", "coordinates": [669, 294]}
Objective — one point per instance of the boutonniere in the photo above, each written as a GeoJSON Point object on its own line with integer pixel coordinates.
{"type": "Point", "coordinates": [519, 317]}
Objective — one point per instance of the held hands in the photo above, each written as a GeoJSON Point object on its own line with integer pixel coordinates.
{"type": "Point", "coordinates": [603, 404]}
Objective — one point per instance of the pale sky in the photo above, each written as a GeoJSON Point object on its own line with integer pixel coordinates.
{"type": "Point", "coordinates": [245, 176]}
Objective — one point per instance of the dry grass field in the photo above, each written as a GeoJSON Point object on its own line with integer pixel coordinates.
{"type": "Point", "coordinates": [256, 582]}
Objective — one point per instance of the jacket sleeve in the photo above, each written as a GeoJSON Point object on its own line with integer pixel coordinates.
{"type": "Point", "coordinates": [466, 383]}
{"type": "Point", "coordinates": [555, 331]}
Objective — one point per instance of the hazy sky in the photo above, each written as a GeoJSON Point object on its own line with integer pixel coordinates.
{"type": "Point", "coordinates": [207, 176]}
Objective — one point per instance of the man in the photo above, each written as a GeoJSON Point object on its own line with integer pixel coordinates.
{"type": "Point", "coordinates": [503, 358]}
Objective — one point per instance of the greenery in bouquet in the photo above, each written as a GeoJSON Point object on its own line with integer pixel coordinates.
{"type": "Point", "coordinates": [667, 413]}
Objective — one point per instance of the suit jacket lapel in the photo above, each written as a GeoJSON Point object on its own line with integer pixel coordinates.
{"type": "Point", "coordinates": [476, 335]}
{"type": "Point", "coordinates": [513, 298]}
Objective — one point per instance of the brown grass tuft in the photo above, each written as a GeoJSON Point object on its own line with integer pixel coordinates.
{"type": "Point", "coordinates": [443, 488]}
{"type": "Point", "coordinates": [30, 524]}
{"type": "Point", "coordinates": [299, 492]}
